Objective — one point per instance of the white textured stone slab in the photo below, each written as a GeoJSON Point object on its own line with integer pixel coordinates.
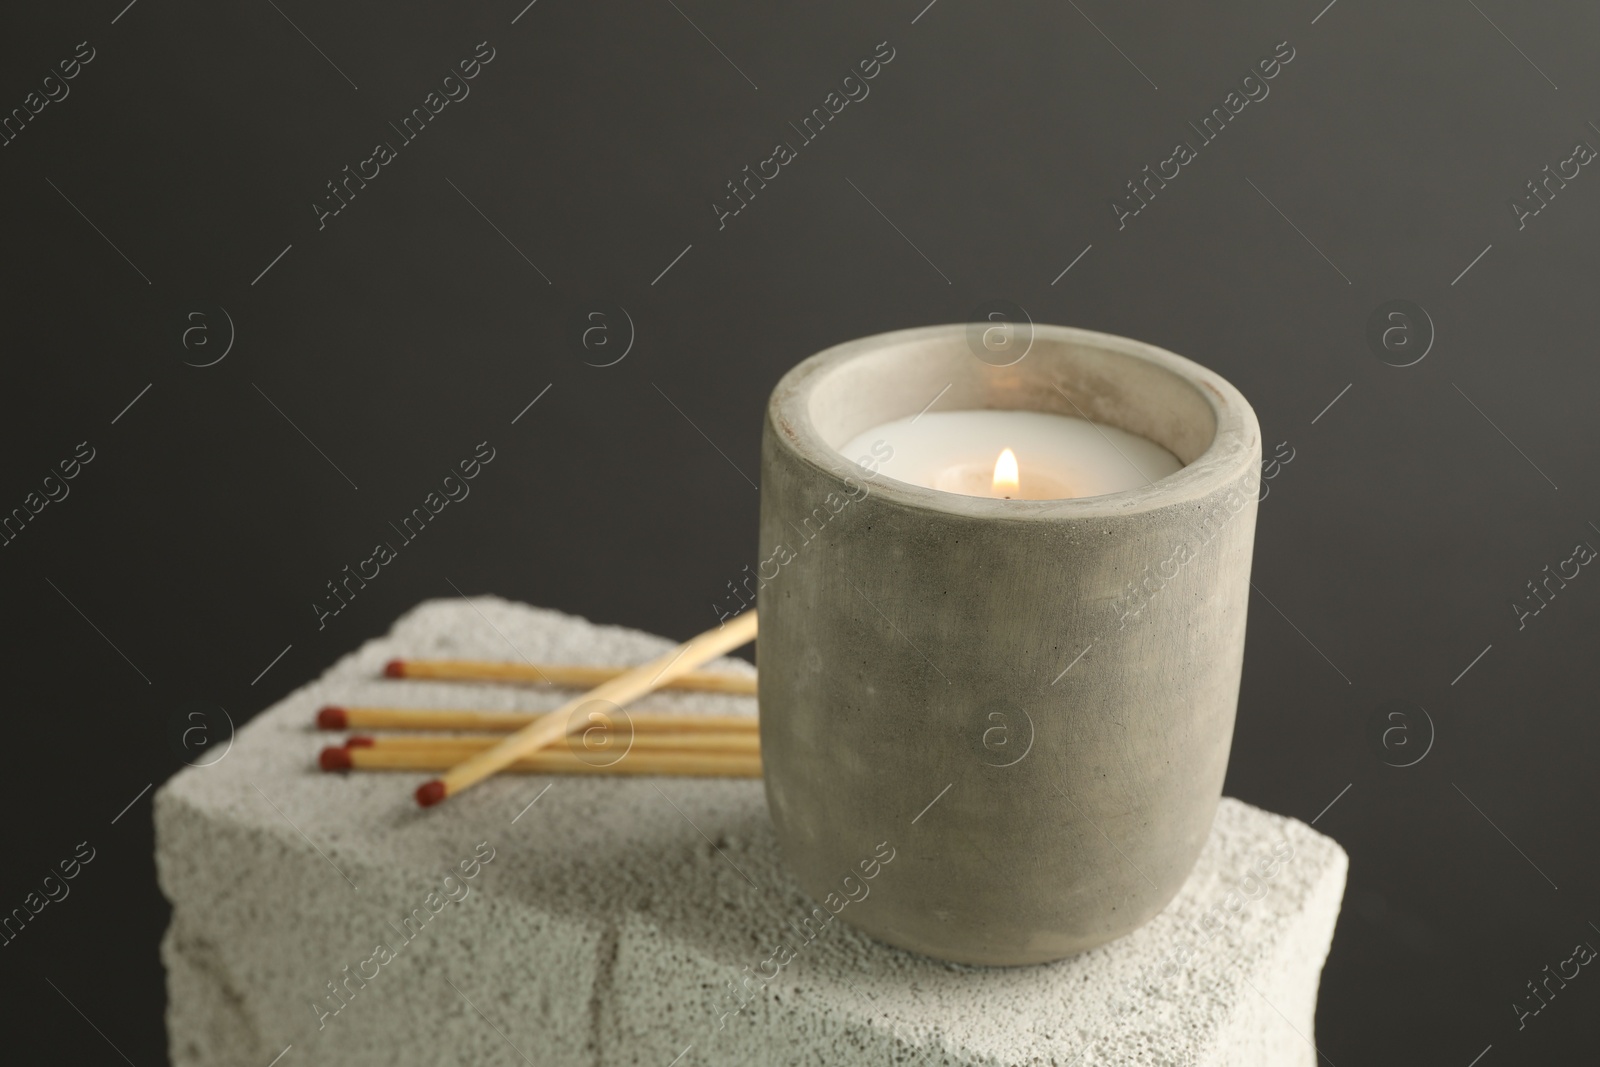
{"type": "Point", "coordinates": [616, 914]}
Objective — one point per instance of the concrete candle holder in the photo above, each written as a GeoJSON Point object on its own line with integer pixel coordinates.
{"type": "Point", "coordinates": [1030, 701]}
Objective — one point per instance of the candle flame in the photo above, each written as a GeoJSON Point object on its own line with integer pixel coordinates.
{"type": "Point", "coordinates": [1005, 474]}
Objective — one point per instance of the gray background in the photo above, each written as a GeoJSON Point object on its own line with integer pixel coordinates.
{"type": "Point", "coordinates": [378, 351]}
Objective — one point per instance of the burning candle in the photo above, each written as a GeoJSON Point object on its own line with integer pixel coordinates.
{"type": "Point", "coordinates": [937, 631]}
{"type": "Point", "coordinates": [1012, 455]}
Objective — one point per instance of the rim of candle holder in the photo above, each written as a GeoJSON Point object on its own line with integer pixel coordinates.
{"type": "Point", "coordinates": [940, 354]}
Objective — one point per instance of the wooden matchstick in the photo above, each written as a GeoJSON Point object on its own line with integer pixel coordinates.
{"type": "Point", "coordinates": [549, 761]}
{"type": "Point", "coordinates": [364, 718]}
{"type": "Point", "coordinates": [563, 674]}
{"type": "Point", "coordinates": [614, 744]}
{"type": "Point", "coordinates": [620, 690]}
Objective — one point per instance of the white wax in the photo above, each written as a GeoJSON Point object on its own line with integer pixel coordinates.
{"type": "Point", "coordinates": [1058, 456]}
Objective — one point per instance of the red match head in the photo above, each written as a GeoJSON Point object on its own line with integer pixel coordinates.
{"type": "Point", "coordinates": [430, 793]}
{"type": "Point", "coordinates": [335, 758]}
{"type": "Point", "coordinates": [395, 668]}
{"type": "Point", "coordinates": [333, 718]}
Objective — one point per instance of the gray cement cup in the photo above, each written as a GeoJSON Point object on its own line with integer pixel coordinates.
{"type": "Point", "coordinates": [1026, 706]}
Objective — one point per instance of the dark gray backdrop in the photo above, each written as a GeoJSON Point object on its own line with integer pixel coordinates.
{"type": "Point", "coordinates": [177, 176]}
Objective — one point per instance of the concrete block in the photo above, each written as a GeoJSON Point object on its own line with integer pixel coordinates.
{"type": "Point", "coordinates": [632, 921]}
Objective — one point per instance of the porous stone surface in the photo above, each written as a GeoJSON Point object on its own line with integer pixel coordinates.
{"type": "Point", "coordinates": [639, 920]}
